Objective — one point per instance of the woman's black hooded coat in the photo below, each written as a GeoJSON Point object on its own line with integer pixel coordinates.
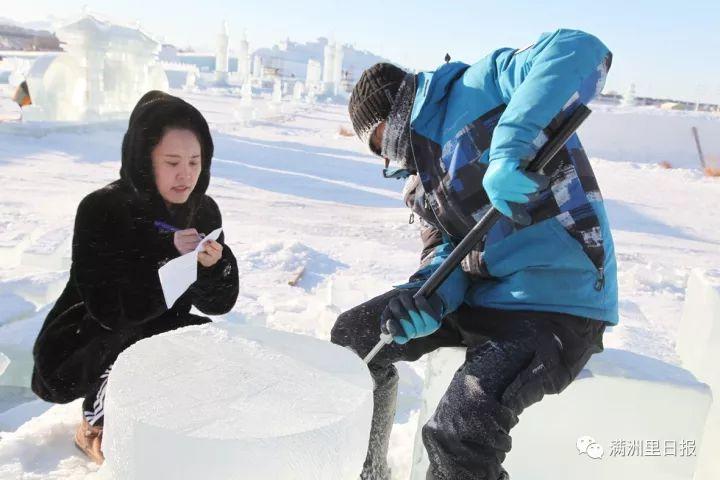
{"type": "Point", "coordinates": [113, 297]}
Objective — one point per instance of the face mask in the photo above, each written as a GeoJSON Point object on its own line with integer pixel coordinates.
{"type": "Point", "coordinates": [396, 172]}
{"type": "Point", "coordinates": [396, 139]}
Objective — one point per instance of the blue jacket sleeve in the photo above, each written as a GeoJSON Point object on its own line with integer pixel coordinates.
{"type": "Point", "coordinates": [562, 69]}
{"type": "Point", "coordinates": [436, 249]}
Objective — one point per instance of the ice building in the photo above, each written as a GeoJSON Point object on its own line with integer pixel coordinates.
{"type": "Point", "coordinates": [104, 70]}
{"type": "Point", "coordinates": [322, 64]}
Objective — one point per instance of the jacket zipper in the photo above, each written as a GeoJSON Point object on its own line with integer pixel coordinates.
{"type": "Point", "coordinates": [600, 283]}
{"type": "Point", "coordinates": [429, 206]}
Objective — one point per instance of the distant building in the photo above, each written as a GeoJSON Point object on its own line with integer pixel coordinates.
{"type": "Point", "coordinates": [205, 61]}
{"type": "Point", "coordinates": [341, 64]}
{"type": "Point", "coordinates": [168, 53]}
{"type": "Point", "coordinates": [25, 39]}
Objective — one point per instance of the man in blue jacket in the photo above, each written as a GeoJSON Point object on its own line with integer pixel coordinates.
{"type": "Point", "coordinates": [531, 302]}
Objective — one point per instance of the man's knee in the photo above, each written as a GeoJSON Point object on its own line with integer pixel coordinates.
{"type": "Point", "coordinates": [468, 436]}
{"type": "Point", "coordinates": [484, 423]}
{"type": "Point", "coordinates": [340, 333]}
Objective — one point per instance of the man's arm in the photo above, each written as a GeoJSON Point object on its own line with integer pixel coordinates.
{"type": "Point", "coordinates": [563, 69]}
{"type": "Point", "coordinates": [435, 250]}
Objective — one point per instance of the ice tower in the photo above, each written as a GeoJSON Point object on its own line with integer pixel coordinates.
{"type": "Point", "coordinates": [222, 56]}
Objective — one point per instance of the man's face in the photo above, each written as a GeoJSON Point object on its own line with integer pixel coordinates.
{"type": "Point", "coordinates": [376, 139]}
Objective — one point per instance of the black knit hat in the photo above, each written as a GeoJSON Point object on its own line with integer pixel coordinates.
{"type": "Point", "coordinates": [373, 96]}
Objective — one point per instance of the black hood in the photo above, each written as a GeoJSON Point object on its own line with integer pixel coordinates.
{"type": "Point", "coordinates": [152, 116]}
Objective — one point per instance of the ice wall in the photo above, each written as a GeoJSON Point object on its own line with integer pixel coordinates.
{"type": "Point", "coordinates": [619, 397]}
{"type": "Point", "coordinates": [237, 402]}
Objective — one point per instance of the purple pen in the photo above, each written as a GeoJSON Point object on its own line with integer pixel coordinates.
{"type": "Point", "coordinates": [167, 228]}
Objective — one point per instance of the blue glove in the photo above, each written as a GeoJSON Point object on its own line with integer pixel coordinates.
{"type": "Point", "coordinates": [507, 186]}
{"type": "Point", "coordinates": [406, 318]}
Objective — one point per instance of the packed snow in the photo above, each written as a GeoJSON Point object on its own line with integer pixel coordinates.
{"type": "Point", "coordinates": [296, 194]}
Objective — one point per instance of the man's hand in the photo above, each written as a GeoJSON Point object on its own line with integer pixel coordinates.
{"type": "Point", "coordinates": [406, 318]}
{"type": "Point", "coordinates": [507, 185]}
{"type": "Point", "coordinates": [210, 254]}
{"type": "Point", "coordinates": [186, 241]}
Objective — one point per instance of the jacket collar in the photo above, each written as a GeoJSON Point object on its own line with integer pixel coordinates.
{"type": "Point", "coordinates": [432, 90]}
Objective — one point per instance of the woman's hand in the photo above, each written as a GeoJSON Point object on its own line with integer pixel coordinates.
{"type": "Point", "coordinates": [186, 241]}
{"type": "Point", "coordinates": [210, 254]}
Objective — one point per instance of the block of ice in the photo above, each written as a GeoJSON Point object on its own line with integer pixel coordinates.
{"type": "Point", "coordinates": [16, 342]}
{"type": "Point", "coordinates": [39, 289]}
{"type": "Point", "coordinates": [698, 346]}
{"type": "Point", "coordinates": [51, 251]}
{"type": "Point", "coordinates": [644, 419]}
{"type": "Point", "coordinates": [698, 343]}
{"type": "Point", "coordinates": [14, 307]}
{"type": "Point", "coordinates": [234, 401]}
{"type": "Point", "coordinates": [4, 362]}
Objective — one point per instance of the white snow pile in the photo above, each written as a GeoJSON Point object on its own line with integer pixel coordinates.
{"type": "Point", "coordinates": [42, 447]}
{"type": "Point", "coordinates": [241, 402]}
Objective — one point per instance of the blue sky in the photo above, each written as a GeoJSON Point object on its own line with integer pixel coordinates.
{"type": "Point", "coordinates": [666, 48]}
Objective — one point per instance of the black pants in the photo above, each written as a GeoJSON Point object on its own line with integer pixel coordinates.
{"type": "Point", "coordinates": [513, 359]}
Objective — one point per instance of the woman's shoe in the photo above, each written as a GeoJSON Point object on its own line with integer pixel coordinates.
{"type": "Point", "coordinates": [88, 439]}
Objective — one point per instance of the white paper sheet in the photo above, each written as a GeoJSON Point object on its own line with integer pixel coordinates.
{"type": "Point", "coordinates": [179, 273]}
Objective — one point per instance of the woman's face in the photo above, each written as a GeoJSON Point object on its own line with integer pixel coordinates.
{"type": "Point", "coordinates": [177, 163]}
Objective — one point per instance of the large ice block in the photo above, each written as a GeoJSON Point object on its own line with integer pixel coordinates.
{"type": "Point", "coordinates": [51, 251]}
{"type": "Point", "coordinates": [636, 410]}
{"type": "Point", "coordinates": [4, 362]}
{"type": "Point", "coordinates": [237, 402]}
{"type": "Point", "coordinates": [698, 346]}
{"type": "Point", "coordinates": [16, 342]}
{"type": "Point", "coordinates": [698, 343]}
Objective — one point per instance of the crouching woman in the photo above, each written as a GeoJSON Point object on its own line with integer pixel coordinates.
{"type": "Point", "coordinates": [124, 232]}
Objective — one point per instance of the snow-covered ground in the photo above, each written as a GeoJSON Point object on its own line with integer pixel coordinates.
{"type": "Point", "coordinates": [296, 193]}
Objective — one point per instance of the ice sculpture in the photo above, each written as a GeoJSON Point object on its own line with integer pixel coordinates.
{"type": "Point", "coordinates": [237, 402]}
{"type": "Point", "coordinates": [104, 70]}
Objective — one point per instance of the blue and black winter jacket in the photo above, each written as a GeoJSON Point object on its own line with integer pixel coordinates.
{"type": "Point", "coordinates": [506, 106]}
